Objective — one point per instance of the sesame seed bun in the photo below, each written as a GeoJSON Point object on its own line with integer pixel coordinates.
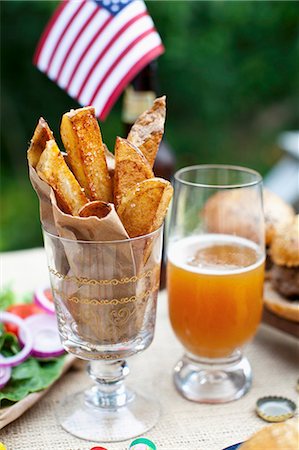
{"type": "Point", "coordinates": [284, 248]}
{"type": "Point", "coordinates": [281, 436]}
{"type": "Point", "coordinates": [279, 305]}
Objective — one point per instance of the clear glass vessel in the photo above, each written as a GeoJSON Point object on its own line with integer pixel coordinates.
{"type": "Point", "coordinates": [215, 277]}
{"type": "Point", "coordinates": [105, 298]}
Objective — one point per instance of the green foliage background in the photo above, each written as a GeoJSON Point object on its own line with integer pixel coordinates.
{"type": "Point", "coordinates": [230, 72]}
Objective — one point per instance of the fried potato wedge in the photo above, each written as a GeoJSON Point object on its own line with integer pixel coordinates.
{"type": "Point", "coordinates": [131, 167]}
{"type": "Point", "coordinates": [42, 134]}
{"type": "Point", "coordinates": [97, 208]}
{"type": "Point", "coordinates": [52, 169]}
{"type": "Point", "coordinates": [144, 207]}
{"type": "Point", "coordinates": [147, 131]}
{"type": "Point", "coordinates": [81, 136]}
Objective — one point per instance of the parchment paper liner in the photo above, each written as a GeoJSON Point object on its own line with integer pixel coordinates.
{"type": "Point", "coordinates": [88, 278]}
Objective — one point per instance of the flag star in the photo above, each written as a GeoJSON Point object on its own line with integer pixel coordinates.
{"type": "Point", "coordinates": [114, 8]}
{"type": "Point", "coordinates": [115, 1]}
{"type": "Point", "coordinates": [124, 1]}
{"type": "Point", "coordinates": [106, 2]}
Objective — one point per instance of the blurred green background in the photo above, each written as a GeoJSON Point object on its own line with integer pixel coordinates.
{"type": "Point", "coordinates": [230, 71]}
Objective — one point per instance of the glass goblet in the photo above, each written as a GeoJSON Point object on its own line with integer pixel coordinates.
{"type": "Point", "coordinates": [105, 297]}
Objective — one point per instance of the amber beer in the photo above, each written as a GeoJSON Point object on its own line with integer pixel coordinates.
{"type": "Point", "coordinates": [215, 286]}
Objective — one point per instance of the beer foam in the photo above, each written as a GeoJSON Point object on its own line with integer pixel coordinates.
{"type": "Point", "coordinates": [182, 250]}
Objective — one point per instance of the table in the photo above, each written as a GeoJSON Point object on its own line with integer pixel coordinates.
{"type": "Point", "coordinates": [183, 425]}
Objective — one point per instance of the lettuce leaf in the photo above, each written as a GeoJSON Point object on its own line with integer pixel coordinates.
{"type": "Point", "coordinates": [31, 376]}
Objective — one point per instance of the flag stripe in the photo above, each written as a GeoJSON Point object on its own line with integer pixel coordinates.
{"type": "Point", "coordinates": [77, 23]}
{"type": "Point", "coordinates": [129, 60]}
{"type": "Point", "coordinates": [63, 32]}
{"type": "Point", "coordinates": [117, 61]}
{"type": "Point", "coordinates": [120, 47]}
{"type": "Point", "coordinates": [126, 14]}
{"type": "Point", "coordinates": [47, 30]}
{"type": "Point", "coordinates": [81, 46]}
{"type": "Point", "coordinates": [86, 51]}
{"type": "Point", "coordinates": [107, 48]}
{"type": "Point", "coordinates": [76, 38]}
{"type": "Point", "coordinates": [144, 61]}
{"type": "Point", "coordinates": [54, 34]}
{"type": "Point", "coordinates": [119, 72]}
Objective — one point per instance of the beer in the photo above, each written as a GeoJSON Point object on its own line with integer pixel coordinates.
{"type": "Point", "coordinates": [215, 287]}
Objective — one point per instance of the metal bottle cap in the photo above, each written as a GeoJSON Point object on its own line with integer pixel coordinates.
{"type": "Point", "coordinates": [275, 409]}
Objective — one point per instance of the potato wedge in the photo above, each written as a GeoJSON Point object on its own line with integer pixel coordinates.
{"type": "Point", "coordinates": [131, 167]}
{"type": "Point", "coordinates": [147, 131]}
{"type": "Point", "coordinates": [52, 169]}
{"type": "Point", "coordinates": [97, 208]}
{"type": "Point", "coordinates": [81, 136]}
{"type": "Point", "coordinates": [42, 134]}
{"type": "Point", "coordinates": [144, 207]}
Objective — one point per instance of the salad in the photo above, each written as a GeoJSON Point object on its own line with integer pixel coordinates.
{"type": "Point", "coordinates": [31, 354]}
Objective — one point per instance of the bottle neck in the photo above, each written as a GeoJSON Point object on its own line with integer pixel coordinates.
{"type": "Point", "coordinates": [135, 103]}
{"type": "Point", "coordinates": [140, 94]}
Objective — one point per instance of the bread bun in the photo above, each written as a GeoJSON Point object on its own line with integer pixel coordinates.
{"type": "Point", "coordinates": [279, 305]}
{"type": "Point", "coordinates": [281, 436]}
{"type": "Point", "coordinates": [231, 212]}
{"type": "Point", "coordinates": [284, 249]}
{"type": "Point", "coordinates": [277, 213]}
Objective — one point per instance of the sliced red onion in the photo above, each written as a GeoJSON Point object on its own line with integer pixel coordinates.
{"type": "Point", "coordinates": [27, 341]}
{"type": "Point", "coordinates": [42, 300]}
{"type": "Point", "coordinates": [46, 340]}
{"type": "Point", "coordinates": [5, 374]}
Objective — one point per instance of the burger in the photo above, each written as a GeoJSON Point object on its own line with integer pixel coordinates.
{"type": "Point", "coordinates": [232, 212]}
{"type": "Point", "coordinates": [277, 214]}
{"type": "Point", "coordinates": [281, 294]}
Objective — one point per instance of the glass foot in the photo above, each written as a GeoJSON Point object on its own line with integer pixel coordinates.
{"type": "Point", "coordinates": [80, 417]}
{"type": "Point", "coordinates": [212, 381]}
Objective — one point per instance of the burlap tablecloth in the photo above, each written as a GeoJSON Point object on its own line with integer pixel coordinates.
{"type": "Point", "coordinates": [183, 425]}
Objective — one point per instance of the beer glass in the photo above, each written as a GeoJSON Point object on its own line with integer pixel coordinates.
{"type": "Point", "coordinates": [215, 275]}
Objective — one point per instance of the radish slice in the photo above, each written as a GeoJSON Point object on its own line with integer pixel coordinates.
{"type": "Point", "coordinates": [42, 300]}
{"type": "Point", "coordinates": [11, 361]}
{"type": "Point", "coordinates": [5, 373]}
{"type": "Point", "coordinates": [46, 340]}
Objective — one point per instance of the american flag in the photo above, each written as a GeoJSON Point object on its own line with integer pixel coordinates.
{"type": "Point", "coordinates": [94, 48]}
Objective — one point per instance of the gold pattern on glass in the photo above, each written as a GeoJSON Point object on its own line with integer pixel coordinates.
{"type": "Point", "coordinates": [114, 301]}
{"type": "Point", "coordinates": [93, 282]}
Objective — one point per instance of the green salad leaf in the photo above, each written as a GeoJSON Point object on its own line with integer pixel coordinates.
{"type": "Point", "coordinates": [8, 297]}
{"type": "Point", "coordinates": [31, 376]}
{"type": "Point", "coordinates": [9, 344]}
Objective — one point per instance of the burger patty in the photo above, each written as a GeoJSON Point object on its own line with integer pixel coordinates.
{"type": "Point", "coordinates": [286, 281]}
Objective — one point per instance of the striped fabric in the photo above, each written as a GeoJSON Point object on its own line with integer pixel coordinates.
{"type": "Point", "coordinates": [94, 48]}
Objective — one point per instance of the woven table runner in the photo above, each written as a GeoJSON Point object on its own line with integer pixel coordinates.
{"type": "Point", "coordinates": [183, 425]}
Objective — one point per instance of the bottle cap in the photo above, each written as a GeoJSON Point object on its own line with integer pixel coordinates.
{"type": "Point", "coordinates": [275, 409]}
{"type": "Point", "coordinates": [142, 444]}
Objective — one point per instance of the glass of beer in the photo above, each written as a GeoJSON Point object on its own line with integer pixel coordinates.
{"type": "Point", "coordinates": [215, 275]}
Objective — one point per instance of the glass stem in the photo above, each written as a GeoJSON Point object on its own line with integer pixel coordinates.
{"type": "Point", "coordinates": [109, 391]}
